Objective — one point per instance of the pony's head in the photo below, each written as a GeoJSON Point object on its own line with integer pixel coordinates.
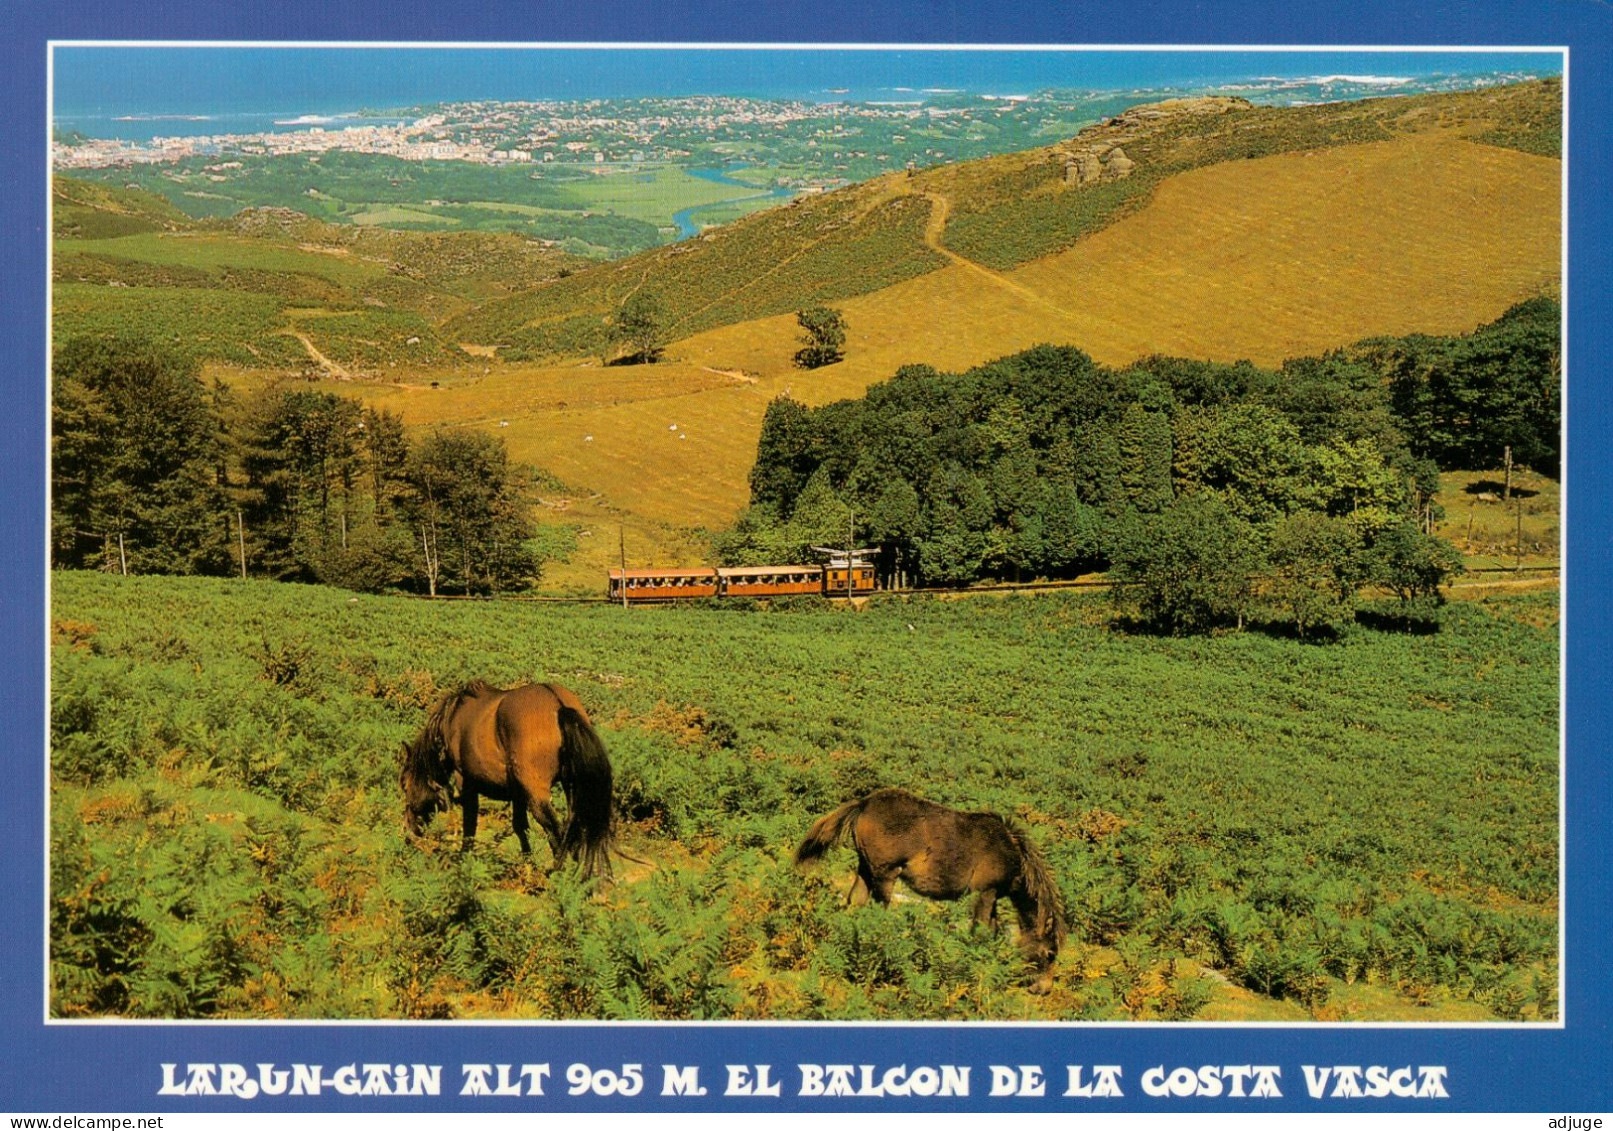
{"type": "Point", "coordinates": [423, 793]}
{"type": "Point", "coordinates": [1036, 897]}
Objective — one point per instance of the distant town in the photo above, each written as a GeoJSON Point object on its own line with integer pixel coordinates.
{"type": "Point", "coordinates": [598, 132]}
{"type": "Point", "coordinates": [603, 177]}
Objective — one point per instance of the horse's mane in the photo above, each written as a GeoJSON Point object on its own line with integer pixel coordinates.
{"type": "Point", "coordinates": [1040, 886]}
{"type": "Point", "coordinates": [424, 757]}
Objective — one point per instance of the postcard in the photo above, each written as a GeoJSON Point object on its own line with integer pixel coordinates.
{"type": "Point", "coordinates": [632, 562]}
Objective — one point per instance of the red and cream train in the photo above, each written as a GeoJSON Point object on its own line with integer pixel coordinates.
{"type": "Point", "coordinates": [647, 586]}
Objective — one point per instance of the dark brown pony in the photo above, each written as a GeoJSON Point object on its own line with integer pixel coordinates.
{"type": "Point", "coordinates": [944, 854]}
{"type": "Point", "coordinates": [513, 746]}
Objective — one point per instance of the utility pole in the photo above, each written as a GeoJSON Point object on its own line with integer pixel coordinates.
{"type": "Point", "coordinates": [621, 541]}
{"type": "Point", "coordinates": [240, 540]}
{"type": "Point", "coordinates": [1506, 490]}
{"type": "Point", "coordinates": [123, 558]}
{"type": "Point", "coordinates": [851, 544]}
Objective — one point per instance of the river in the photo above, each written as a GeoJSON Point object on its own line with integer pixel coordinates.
{"type": "Point", "coordinates": [684, 217]}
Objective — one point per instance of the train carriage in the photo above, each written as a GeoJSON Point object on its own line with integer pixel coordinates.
{"type": "Point", "coordinates": [647, 585]}
{"type": "Point", "coordinates": [771, 581]}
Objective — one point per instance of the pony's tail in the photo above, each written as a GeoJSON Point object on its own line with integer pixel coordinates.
{"type": "Point", "coordinates": [586, 775]}
{"type": "Point", "coordinates": [1043, 890]}
{"type": "Point", "coordinates": [826, 832]}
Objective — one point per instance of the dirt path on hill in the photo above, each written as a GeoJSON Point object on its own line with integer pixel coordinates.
{"type": "Point", "coordinates": [320, 359]}
{"type": "Point", "coordinates": [940, 211]}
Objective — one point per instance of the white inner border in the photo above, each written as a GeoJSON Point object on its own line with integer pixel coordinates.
{"type": "Point", "coordinates": [1351, 1026]}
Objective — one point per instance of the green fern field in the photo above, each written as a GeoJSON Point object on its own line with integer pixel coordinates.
{"type": "Point", "coordinates": [1244, 827]}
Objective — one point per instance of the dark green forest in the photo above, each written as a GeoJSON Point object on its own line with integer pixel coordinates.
{"type": "Point", "coordinates": [154, 472]}
{"type": "Point", "coordinates": [1182, 478]}
{"type": "Point", "coordinates": [1185, 480]}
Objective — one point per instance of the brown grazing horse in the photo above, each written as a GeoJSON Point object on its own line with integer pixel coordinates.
{"type": "Point", "coordinates": [513, 746]}
{"type": "Point", "coordinates": [944, 854]}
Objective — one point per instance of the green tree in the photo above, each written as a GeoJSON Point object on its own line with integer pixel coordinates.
{"type": "Point", "coordinates": [467, 523]}
{"type": "Point", "coordinates": [641, 325]}
{"type": "Point", "coordinates": [823, 340]}
{"type": "Point", "coordinates": [1073, 534]}
{"type": "Point", "coordinates": [321, 477]}
{"type": "Point", "coordinates": [1414, 566]}
{"type": "Point", "coordinates": [896, 522]}
{"type": "Point", "coordinates": [786, 455]}
{"type": "Point", "coordinates": [820, 517]}
{"type": "Point", "coordinates": [1249, 454]}
{"type": "Point", "coordinates": [135, 457]}
{"type": "Point", "coordinates": [757, 537]}
{"type": "Point", "coordinates": [300, 457]}
{"type": "Point", "coordinates": [1188, 569]}
{"type": "Point", "coordinates": [1144, 439]}
{"type": "Point", "coordinates": [1464, 400]}
{"type": "Point", "coordinates": [1318, 567]}
{"type": "Point", "coordinates": [1348, 477]}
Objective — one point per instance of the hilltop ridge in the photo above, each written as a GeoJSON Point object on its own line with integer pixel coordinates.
{"type": "Point", "coordinates": [1002, 212]}
{"type": "Point", "coordinates": [519, 299]}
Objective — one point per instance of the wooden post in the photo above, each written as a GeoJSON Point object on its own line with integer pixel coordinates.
{"type": "Point", "coordinates": [621, 535]}
{"type": "Point", "coordinates": [1468, 545]}
{"type": "Point", "coordinates": [123, 558]}
{"type": "Point", "coordinates": [240, 540]}
{"type": "Point", "coordinates": [1506, 489]}
{"type": "Point", "coordinates": [1518, 537]}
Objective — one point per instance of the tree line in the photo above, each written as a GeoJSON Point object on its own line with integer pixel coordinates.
{"type": "Point", "coordinates": [1184, 479]}
{"type": "Point", "coordinates": [154, 472]}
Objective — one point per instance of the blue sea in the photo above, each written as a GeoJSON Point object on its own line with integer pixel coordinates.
{"type": "Point", "coordinates": [137, 93]}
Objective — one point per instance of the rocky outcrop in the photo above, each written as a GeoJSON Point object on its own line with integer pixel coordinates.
{"type": "Point", "coordinates": [1095, 154]}
{"type": "Point", "coordinates": [1082, 168]}
{"type": "Point", "coordinates": [1117, 165]}
{"type": "Point", "coordinates": [1153, 113]}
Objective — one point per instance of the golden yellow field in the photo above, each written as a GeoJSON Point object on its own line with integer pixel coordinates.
{"type": "Point", "coordinates": [1261, 259]}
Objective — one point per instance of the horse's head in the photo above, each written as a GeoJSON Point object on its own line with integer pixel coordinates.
{"type": "Point", "coordinates": [423, 795]}
{"type": "Point", "coordinates": [1036, 897]}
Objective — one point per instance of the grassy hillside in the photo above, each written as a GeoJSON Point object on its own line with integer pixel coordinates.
{"type": "Point", "coordinates": [1000, 212]}
{"type": "Point", "coordinates": [1240, 233]}
{"type": "Point", "coordinates": [533, 302]}
{"type": "Point", "coordinates": [85, 210]}
{"type": "Point", "coordinates": [1263, 259]}
{"type": "Point", "coordinates": [866, 237]}
{"type": "Point", "coordinates": [1244, 827]}
{"type": "Point", "coordinates": [602, 211]}
{"type": "Point", "coordinates": [1013, 209]}
{"type": "Point", "coordinates": [274, 289]}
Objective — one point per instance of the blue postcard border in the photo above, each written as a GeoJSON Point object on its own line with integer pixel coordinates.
{"type": "Point", "coordinates": [116, 1067]}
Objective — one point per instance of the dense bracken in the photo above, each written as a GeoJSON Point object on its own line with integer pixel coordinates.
{"type": "Point", "coordinates": [1242, 826]}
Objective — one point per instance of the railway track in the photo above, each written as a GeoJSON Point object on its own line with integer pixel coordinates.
{"type": "Point", "coordinates": [1482, 577]}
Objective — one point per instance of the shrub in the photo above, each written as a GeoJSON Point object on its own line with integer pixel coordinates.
{"type": "Point", "coordinates": [1188, 569]}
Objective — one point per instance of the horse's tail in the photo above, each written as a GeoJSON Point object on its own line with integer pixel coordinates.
{"type": "Point", "coordinates": [1049, 924]}
{"type": "Point", "coordinates": [586, 775]}
{"type": "Point", "coordinates": [828, 831]}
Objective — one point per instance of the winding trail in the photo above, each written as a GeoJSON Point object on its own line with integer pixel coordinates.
{"type": "Point", "coordinates": [940, 211]}
{"type": "Point", "coordinates": [320, 359]}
